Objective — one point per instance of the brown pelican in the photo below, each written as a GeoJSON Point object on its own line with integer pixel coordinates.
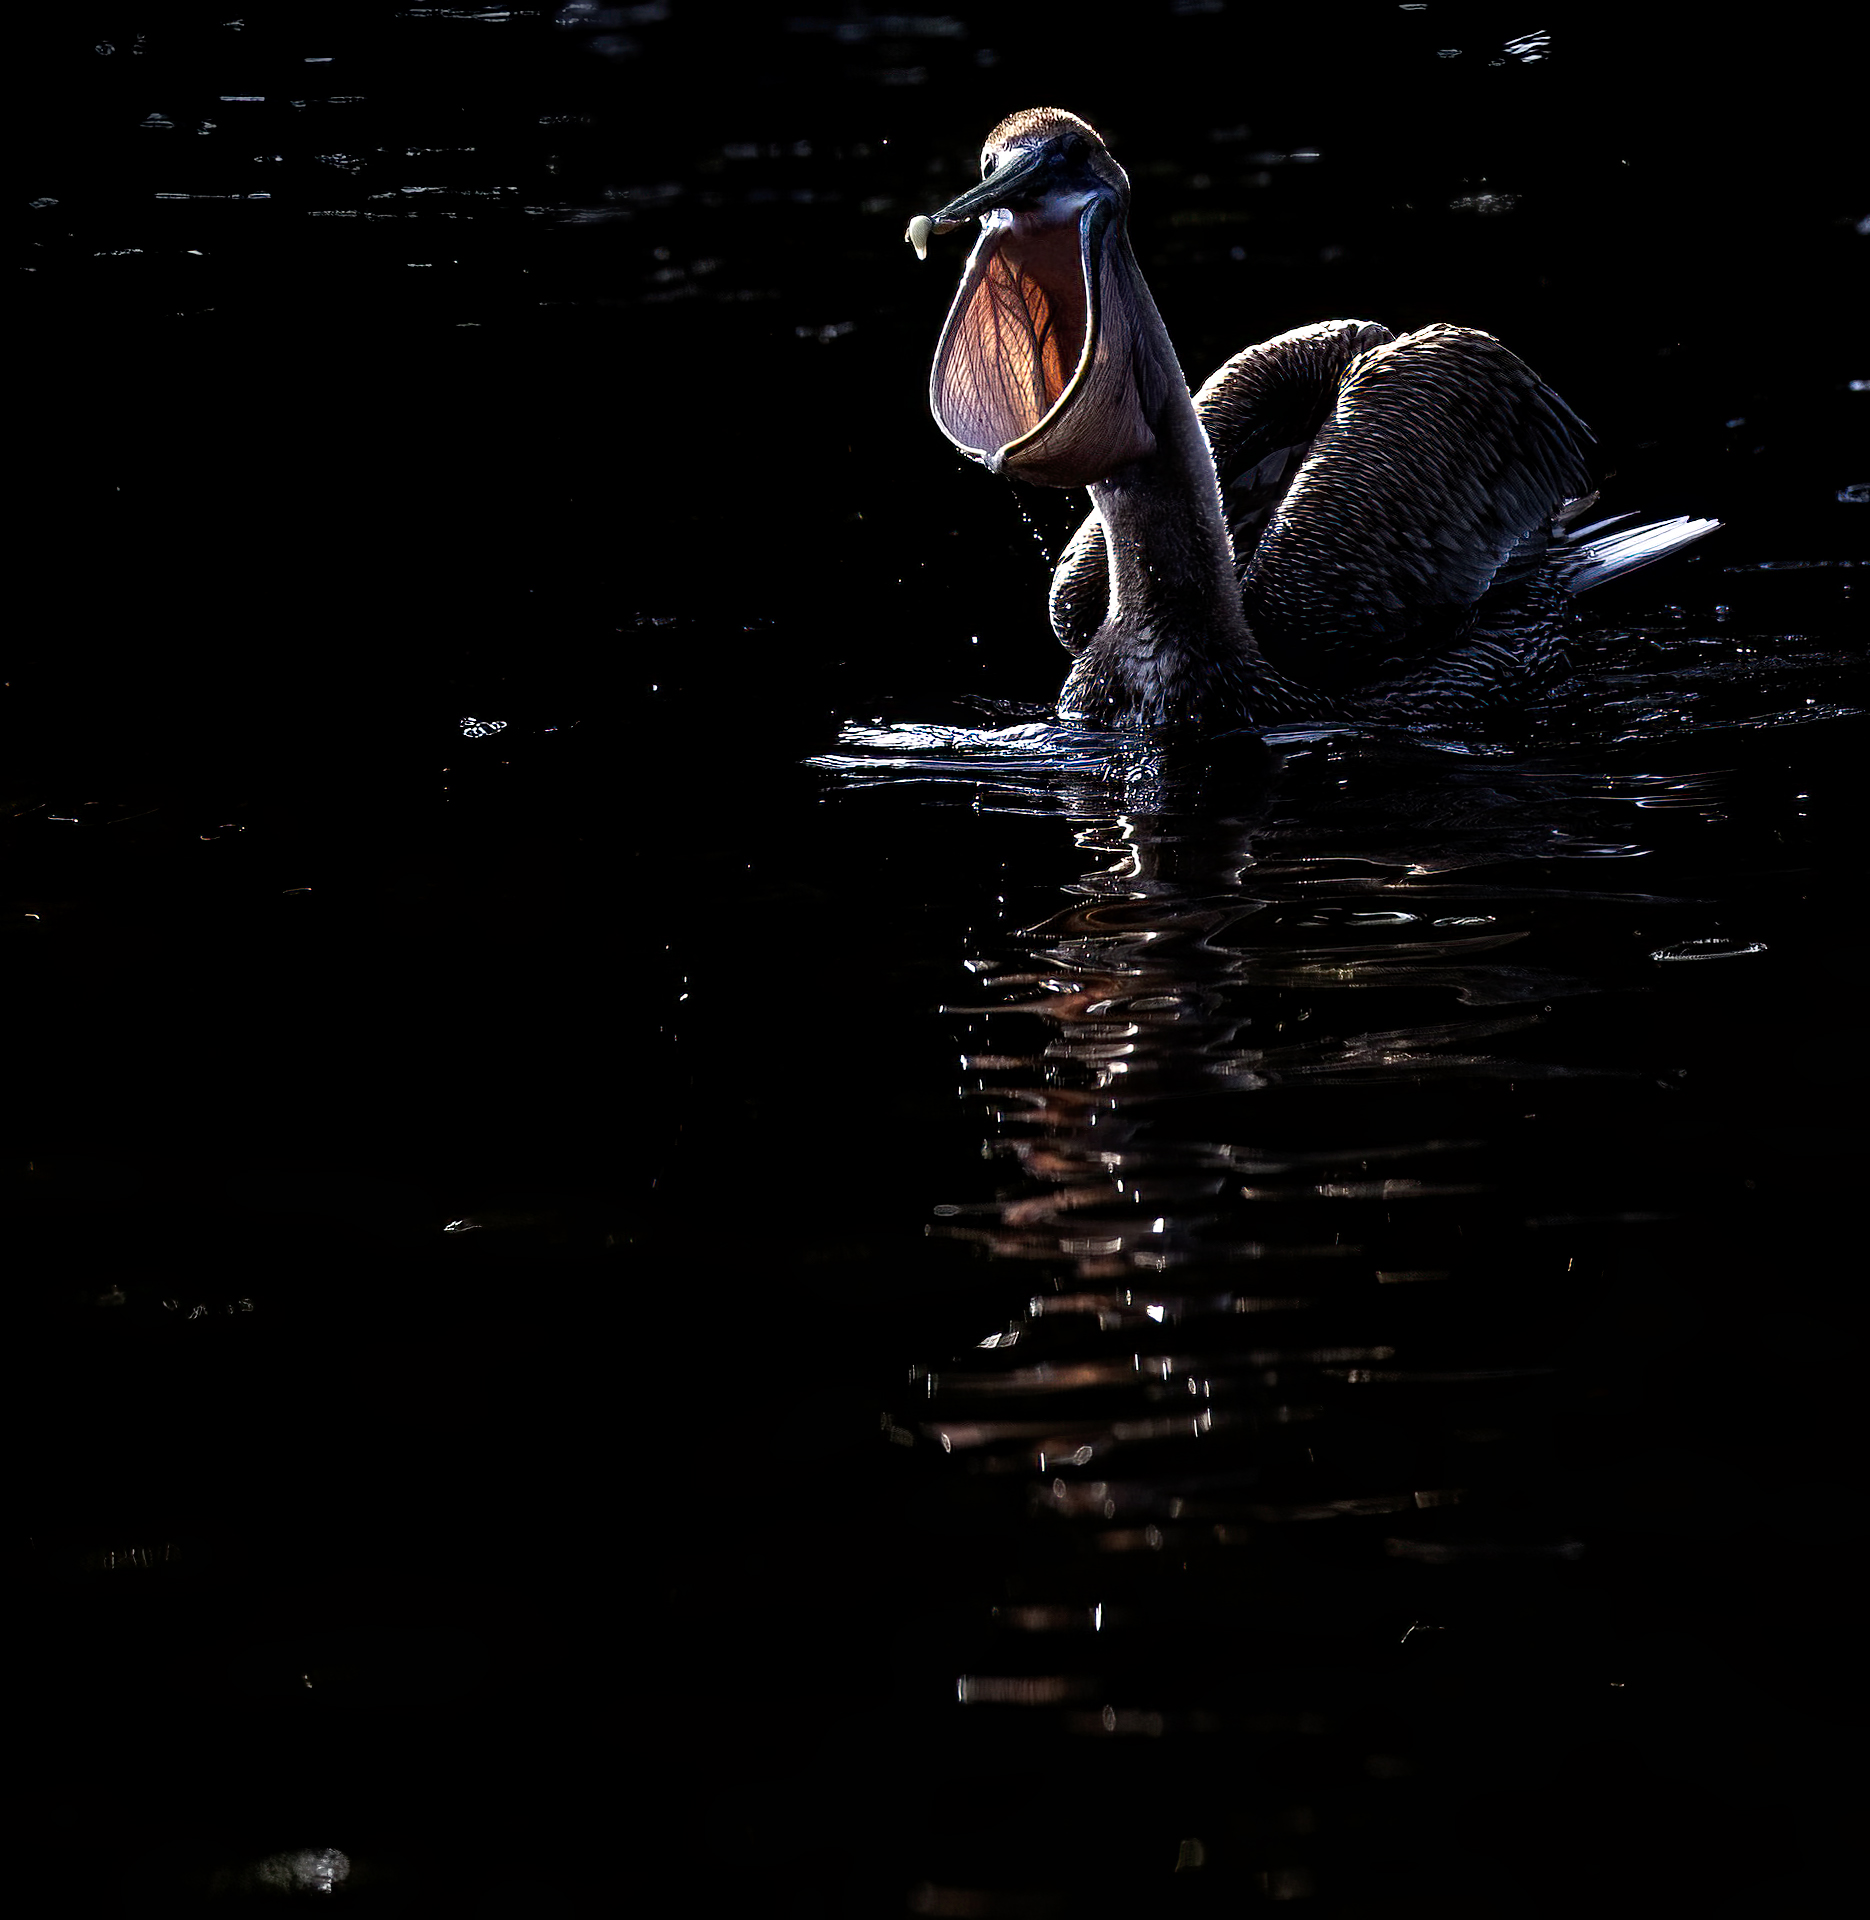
{"type": "Point", "coordinates": [1311, 533]}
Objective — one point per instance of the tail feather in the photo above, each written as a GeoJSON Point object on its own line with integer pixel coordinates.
{"type": "Point", "coordinates": [1576, 536]}
{"type": "Point", "coordinates": [1586, 562]}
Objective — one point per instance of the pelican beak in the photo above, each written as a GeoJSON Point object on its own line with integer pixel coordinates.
{"type": "Point", "coordinates": [1036, 373]}
{"type": "Point", "coordinates": [1006, 187]}
{"type": "Point", "coordinates": [1007, 184]}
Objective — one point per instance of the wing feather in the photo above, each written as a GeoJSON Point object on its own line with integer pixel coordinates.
{"type": "Point", "coordinates": [1443, 458]}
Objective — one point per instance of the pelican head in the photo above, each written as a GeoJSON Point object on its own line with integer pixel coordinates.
{"type": "Point", "coordinates": [1046, 369]}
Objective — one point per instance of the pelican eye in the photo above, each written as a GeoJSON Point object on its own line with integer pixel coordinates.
{"type": "Point", "coordinates": [1073, 147]}
{"type": "Point", "coordinates": [988, 161]}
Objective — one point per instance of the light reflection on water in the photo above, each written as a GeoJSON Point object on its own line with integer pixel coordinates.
{"type": "Point", "coordinates": [1331, 1105]}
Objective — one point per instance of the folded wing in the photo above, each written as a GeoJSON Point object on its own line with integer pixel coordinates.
{"type": "Point", "coordinates": [1442, 458]}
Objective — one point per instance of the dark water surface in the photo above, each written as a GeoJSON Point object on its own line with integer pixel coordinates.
{"type": "Point", "coordinates": [664, 1258]}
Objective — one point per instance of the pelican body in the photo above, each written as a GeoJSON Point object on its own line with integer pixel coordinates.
{"type": "Point", "coordinates": [1310, 533]}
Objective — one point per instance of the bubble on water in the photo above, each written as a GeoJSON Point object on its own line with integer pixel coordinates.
{"type": "Point", "coordinates": [304, 1870]}
{"type": "Point", "coordinates": [1717, 947]}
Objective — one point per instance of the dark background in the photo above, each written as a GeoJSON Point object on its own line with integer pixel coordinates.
{"type": "Point", "coordinates": [569, 373]}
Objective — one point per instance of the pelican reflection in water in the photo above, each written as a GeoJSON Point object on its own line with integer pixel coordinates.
{"type": "Point", "coordinates": [1321, 531]}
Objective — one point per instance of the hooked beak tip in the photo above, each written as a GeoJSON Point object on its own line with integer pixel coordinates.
{"type": "Point", "coordinates": [918, 234]}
